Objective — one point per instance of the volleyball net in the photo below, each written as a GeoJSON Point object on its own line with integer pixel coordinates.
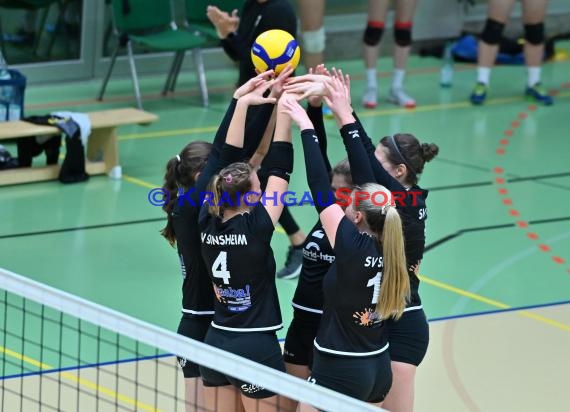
{"type": "Point", "coordinates": [63, 353]}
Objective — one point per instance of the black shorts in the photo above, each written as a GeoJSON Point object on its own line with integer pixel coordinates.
{"type": "Point", "coordinates": [366, 378]}
{"type": "Point", "coordinates": [194, 327]}
{"type": "Point", "coordinates": [408, 337]}
{"type": "Point", "coordinates": [260, 347]}
{"type": "Point", "coordinates": [300, 338]}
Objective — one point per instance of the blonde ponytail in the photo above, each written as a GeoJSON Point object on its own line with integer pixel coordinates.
{"type": "Point", "coordinates": [395, 288]}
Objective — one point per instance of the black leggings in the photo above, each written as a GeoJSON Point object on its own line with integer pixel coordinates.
{"type": "Point", "coordinates": [288, 222]}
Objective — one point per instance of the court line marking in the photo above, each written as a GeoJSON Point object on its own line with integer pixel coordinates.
{"type": "Point", "coordinates": [521, 179]}
{"type": "Point", "coordinates": [81, 381]}
{"type": "Point", "coordinates": [499, 311]}
{"type": "Point", "coordinates": [90, 365]}
{"type": "Point", "coordinates": [139, 182]}
{"type": "Point", "coordinates": [501, 183]}
{"type": "Point", "coordinates": [376, 113]}
{"type": "Point", "coordinates": [460, 232]}
{"type": "Point", "coordinates": [72, 229]}
{"type": "Point", "coordinates": [492, 302]}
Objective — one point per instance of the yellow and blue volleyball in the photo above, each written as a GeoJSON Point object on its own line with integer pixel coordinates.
{"type": "Point", "coordinates": [275, 49]}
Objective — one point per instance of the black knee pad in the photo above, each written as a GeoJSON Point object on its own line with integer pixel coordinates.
{"type": "Point", "coordinates": [534, 33]}
{"type": "Point", "coordinates": [492, 32]}
{"type": "Point", "coordinates": [403, 34]}
{"type": "Point", "coordinates": [373, 35]}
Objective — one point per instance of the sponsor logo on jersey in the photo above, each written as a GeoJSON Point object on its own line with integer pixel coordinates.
{"type": "Point", "coordinates": [367, 318]}
{"type": "Point", "coordinates": [235, 300]}
{"type": "Point", "coordinates": [312, 252]}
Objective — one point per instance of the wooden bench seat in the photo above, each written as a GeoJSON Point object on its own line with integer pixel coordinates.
{"type": "Point", "coordinates": [102, 152]}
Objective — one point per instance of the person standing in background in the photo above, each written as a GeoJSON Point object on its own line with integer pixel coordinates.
{"type": "Point", "coordinates": [377, 11]}
{"type": "Point", "coordinates": [533, 19]}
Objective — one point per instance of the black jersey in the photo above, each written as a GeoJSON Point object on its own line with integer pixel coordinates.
{"type": "Point", "coordinates": [349, 324]}
{"type": "Point", "coordinates": [411, 205]}
{"type": "Point", "coordinates": [240, 262]}
{"type": "Point", "coordinates": [197, 293]}
{"type": "Point", "coordinates": [413, 213]}
{"type": "Point", "coordinates": [318, 256]}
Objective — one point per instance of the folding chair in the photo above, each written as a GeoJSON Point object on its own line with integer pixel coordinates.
{"type": "Point", "coordinates": [150, 23]}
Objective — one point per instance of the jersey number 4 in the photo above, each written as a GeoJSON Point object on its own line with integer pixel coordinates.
{"type": "Point", "coordinates": [220, 268]}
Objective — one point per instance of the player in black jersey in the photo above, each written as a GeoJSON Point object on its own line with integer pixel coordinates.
{"type": "Point", "coordinates": [318, 256]}
{"type": "Point", "coordinates": [190, 172]}
{"type": "Point", "coordinates": [366, 284]}
{"type": "Point", "coordinates": [396, 163]}
{"type": "Point", "coordinates": [236, 230]}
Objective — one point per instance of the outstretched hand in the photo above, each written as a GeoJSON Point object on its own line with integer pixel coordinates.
{"type": "Point", "coordinates": [310, 85]}
{"type": "Point", "coordinates": [253, 83]}
{"type": "Point", "coordinates": [338, 99]}
{"type": "Point", "coordinates": [311, 77]}
{"type": "Point", "coordinates": [289, 105]}
{"type": "Point", "coordinates": [256, 96]}
{"type": "Point", "coordinates": [278, 86]}
{"type": "Point", "coordinates": [345, 80]}
{"type": "Point", "coordinates": [317, 100]}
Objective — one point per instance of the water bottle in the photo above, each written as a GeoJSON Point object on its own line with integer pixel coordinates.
{"type": "Point", "coordinates": [446, 74]}
{"type": "Point", "coordinates": [5, 90]}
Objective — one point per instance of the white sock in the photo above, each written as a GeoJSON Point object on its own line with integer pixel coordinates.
{"type": "Point", "coordinates": [483, 75]}
{"type": "Point", "coordinates": [533, 76]}
{"type": "Point", "coordinates": [398, 78]}
{"type": "Point", "coordinates": [371, 81]}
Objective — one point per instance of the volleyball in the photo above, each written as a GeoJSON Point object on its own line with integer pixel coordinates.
{"type": "Point", "coordinates": [274, 49]}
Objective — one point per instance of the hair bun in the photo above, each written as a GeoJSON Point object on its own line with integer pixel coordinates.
{"type": "Point", "coordinates": [429, 151]}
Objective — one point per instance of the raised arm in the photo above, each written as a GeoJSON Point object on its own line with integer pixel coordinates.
{"type": "Point", "coordinates": [323, 196]}
{"type": "Point", "coordinates": [231, 151]}
{"type": "Point", "coordinates": [380, 174]}
{"type": "Point", "coordinates": [279, 163]}
{"type": "Point", "coordinates": [315, 113]}
{"type": "Point", "coordinates": [338, 99]}
{"type": "Point", "coordinates": [265, 143]}
{"type": "Point", "coordinates": [256, 143]}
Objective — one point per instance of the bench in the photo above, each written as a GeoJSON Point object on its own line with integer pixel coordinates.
{"type": "Point", "coordinates": [102, 152]}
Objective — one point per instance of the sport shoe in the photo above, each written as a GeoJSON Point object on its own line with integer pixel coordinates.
{"type": "Point", "coordinates": [370, 99]}
{"type": "Point", "coordinates": [293, 264]}
{"type": "Point", "coordinates": [479, 94]}
{"type": "Point", "coordinates": [400, 97]}
{"type": "Point", "coordinates": [539, 94]}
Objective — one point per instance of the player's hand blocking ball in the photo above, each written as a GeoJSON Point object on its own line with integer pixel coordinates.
{"type": "Point", "coordinates": [275, 49]}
